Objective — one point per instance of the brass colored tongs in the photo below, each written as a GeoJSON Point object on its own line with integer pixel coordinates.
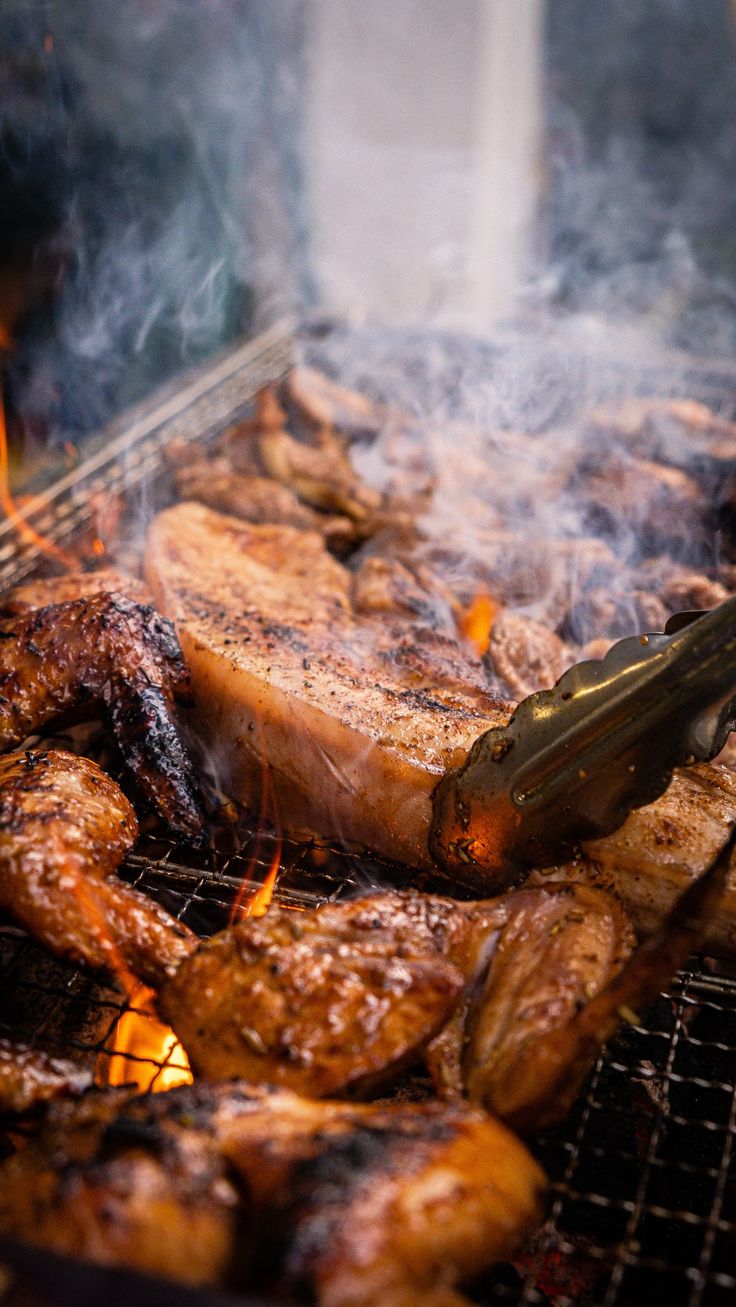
{"type": "Point", "coordinates": [573, 761]}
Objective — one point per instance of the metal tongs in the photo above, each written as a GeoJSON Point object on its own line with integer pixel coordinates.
{"type": "Point", "coordinates": [573, 761]}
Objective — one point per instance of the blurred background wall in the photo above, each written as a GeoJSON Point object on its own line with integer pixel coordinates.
{"type": "Point", "coordinates": [174, 174]}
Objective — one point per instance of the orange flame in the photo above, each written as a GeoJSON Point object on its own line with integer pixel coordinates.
{"type": "Point", "coordinates": [477, 621]}
{"type": "Point", "coordinates": [142, 1050]}
{"type": "Point", "coordinates": [253, 900]}
{"type": "Point", "coordinates": [13, 513]}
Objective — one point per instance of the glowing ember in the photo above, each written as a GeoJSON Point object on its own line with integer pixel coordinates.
{"type": "Point", "coordinates": [143, 1051]}
{"type": "Point", "coordinates": [13, 514]}
{"type": "Point", "coordinates": [98, 547]}
{"type": "Point", "coordinates": [477, 620]}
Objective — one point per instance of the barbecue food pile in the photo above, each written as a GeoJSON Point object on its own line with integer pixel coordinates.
{"type": "Point", "coordinates": [314, 630]}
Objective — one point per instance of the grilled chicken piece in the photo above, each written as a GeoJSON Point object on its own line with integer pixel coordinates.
{"type": "Point", "coordinates": [339, 999]}
{"type": "Point", "coordinates": [64, 828]}
{"type": "Point", "coordinates": [129, 1181]}
{"type": "Point", "coordinates": [348, 1205]}
{"type": "Point", "coordinates": [661, 849]}
{"type": "Point", "coordinates": [391, 1204]}
{"type": "Point", "coordinates": [321, 403]}
{"type": "Point", "coordinates": [661, 505]}
{"type": "Point", "coordinates": [325, 1002]}
{"type": "Point", "coordinates": [525, 655]}
{"type": "Point", "coordinates": [258, 499]}
{"type": "Point", "coordinates": [75, 585]}
{"type": "Point", "coordinates": [109, 650]}
{"type": "Point", "coordinates": [356, 717]}
{"type": "Point", "coordinates": [29, 1077]}
{"type": "Point", "coordinates": [674, 430]}
{"type": "Point", "coordinates": [321, 474]}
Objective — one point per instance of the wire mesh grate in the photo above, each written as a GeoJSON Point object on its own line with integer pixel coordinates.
{"type": "Point", "coordinates": [643, 1174]}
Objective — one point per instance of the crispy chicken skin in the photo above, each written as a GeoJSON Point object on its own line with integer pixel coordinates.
{"type": "Point", "coordinates": [338, 999]}
{"type": "Point", "coordinates": [357, 717]}
{"type": "Point", "coordinates": [349, 1205]}
{"type": "Point", "coordinates": [554, 956]}
{"type": "Point", "coordinates": [104, 648]}
{"type": "Point", "coordinates": [391, 1204]}
{"type": "Point", "coordinates": [126, 1181]}
{"type": "Point", "coordinates": [65, 826]}
{"type": "Point", "coordinates": [29, 1077]}
{"type": "Point", "coordinates": [323, 1002]}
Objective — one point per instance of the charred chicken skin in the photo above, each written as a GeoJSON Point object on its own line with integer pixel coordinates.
{"type": "Point", "coordinates": [65, 826]}
{"type": "Point", "coordinates": [104, 649]}
{"type": "Point", "coordinates": [349, 1205]}
{"type": "Point", "coordinates": [337, 1000]}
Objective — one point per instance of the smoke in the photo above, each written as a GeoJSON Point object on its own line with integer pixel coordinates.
{"type": "Point", "coordinates": [174, 137]}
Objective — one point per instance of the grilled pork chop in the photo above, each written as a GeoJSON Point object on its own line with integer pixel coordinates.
{"type": "Point", "coordinates": [344, 1205]}
{"type": "Point", "coordinates": [355, 716]}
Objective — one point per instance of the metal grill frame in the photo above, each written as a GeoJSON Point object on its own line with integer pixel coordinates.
{"type": "Point", "coordinates": [643, 1172]}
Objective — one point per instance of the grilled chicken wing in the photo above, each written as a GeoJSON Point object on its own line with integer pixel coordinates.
{"type": "Point", "coordinates": [106, 649]}
{"type": "Point", "coordinates": [126, 1181]}
{"type": "Point", "coordinates": [28, 1077]}
{"type": "Point", "coordinates": [64, 828]}
{"type": "Point", "coordinates": [336, 1000]}
{"type": "Point", "coordinates": [349, 1205]}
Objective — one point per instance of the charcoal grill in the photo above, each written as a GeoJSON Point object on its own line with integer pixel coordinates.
{"type": "Point", "coordinates": [643, 1173]}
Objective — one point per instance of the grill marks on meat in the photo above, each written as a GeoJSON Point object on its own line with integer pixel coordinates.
{"type": "Point", "coordinates": [339, 999]}
{"type": "Point", "coordinates": [105, 649]}
{"type": "Point", "coordinates": [65, 826]}
{"type": "Point", "coordinates": [356, 717]}
{"type": "Point", "coordinates": [349, 1204]}
{"type": "Point", "coordinates": [29, 1077]}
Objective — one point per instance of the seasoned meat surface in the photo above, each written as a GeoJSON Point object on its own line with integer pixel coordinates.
{"type": "Point", "coordinates": [390, 1204]}
{"type": "Point", "coordinates": [29, 1076]}
{"type": "Point", "coordinates": [554, 956]}
{"type": "Point", "coordinates": [344, 1205]}
{"type": "Point", "coordinates": [126, 1181]}
{"type": "Point", "coordinates": [65, 826]}
{"type": "Point", "coordinates": [74, 585]}
{"type": "Point", "coordinates": [356, 717]}
{"type": "Point", "coordinates": [216, 483]}
{"type": "Point", "coordinates": [104, 648]}
{"type": "Point", "coordinates": [662, 848]}
{"type": "Point", "coordinates": [321, 403]}
{"type": "Point", "coordinates": [338, 999]}
{"type": "Point", "coordinates": [323, 1002]}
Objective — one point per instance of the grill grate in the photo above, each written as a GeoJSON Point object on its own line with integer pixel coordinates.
{"type": "Point", "coordinates": [643, 1173]}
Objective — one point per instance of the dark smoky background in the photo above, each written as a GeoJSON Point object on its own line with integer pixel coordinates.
{"type": "Point", "coordinates": [155, 162]}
